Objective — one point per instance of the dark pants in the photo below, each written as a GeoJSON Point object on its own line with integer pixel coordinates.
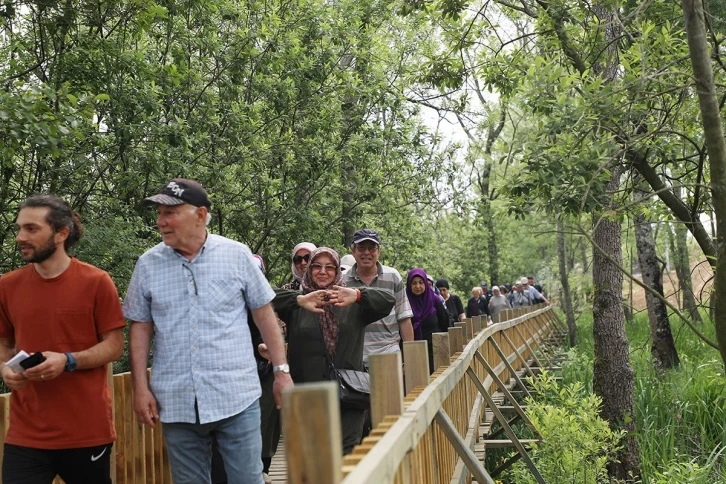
{"type": "Point", "coordinates": [352, 428]}
{"type": "Point", "coordinates": [85, 465]}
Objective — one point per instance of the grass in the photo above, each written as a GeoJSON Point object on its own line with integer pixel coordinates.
{"type": "Point", "coordinates": [681, 415]}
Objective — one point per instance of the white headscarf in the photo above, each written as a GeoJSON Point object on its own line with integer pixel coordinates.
{"type": "Point", "coordinates": [302, 245]}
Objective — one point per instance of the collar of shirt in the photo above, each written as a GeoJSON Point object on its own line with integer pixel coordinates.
{"type": "Point", "coordinates": [354, 272]}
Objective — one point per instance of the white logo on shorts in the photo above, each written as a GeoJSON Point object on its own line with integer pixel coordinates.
{"type": "Point", "coordinates": [94, 458]}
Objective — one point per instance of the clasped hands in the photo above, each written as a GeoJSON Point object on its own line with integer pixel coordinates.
{"type": "Point", "coordinates": [337, 296]}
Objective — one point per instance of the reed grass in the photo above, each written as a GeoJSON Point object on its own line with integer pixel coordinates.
{"type": "Point", "coordinates": [681, 414]}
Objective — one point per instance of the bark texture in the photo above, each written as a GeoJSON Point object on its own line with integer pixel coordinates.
{"type": "Point", "coordinates": [613, 377]}
{"type": "Point", "coordinates": [683, 271]}
{"type": "Point", "coordinates": [564, 280]}
{"type": "Point", "coordinates": [713, 130]}
{"type": "Point", "coordinates": [663, 348]}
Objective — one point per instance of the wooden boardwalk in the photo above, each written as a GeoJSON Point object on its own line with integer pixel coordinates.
{"type": "Point", "coordinates": [278, 468]}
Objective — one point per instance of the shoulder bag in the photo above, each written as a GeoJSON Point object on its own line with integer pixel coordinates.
{"type": "Point", "coordinates": [354, 386]}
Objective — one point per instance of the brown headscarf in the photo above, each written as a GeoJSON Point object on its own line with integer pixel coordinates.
{"type": "Point", "coordinates": [328, 321]}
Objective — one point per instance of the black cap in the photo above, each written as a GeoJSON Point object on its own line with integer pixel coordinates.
{"type": "Point", "coordinates": [179, 191]}
{"type": "Point", "coordinates": [483, 284]}
{"type": "Point", "coordinates": [442, 283]}
{"type": "Point", "coordinates": [366, 234]}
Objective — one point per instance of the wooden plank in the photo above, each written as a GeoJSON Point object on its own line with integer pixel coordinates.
{"type": "Point", "coordinates": [505, 443]}
{"type": "Point", "coordinates": [416, 356]}
{"type": "Point", "coordinates": [466, 454]}
{"type": "Point", "coordinates": [119, 403]}
{"type": "Point", "coordinates": [311, 425]}
{"type": "Point", "coordinates": [442, 355]}
{"type": "Point", "coordinates": [386, 386]}
{"type": "Point", "coordinates": [456, 340]}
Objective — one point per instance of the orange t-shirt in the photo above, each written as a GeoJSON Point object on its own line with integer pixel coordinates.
{"type": "Point", "coordinates": [63, 314]}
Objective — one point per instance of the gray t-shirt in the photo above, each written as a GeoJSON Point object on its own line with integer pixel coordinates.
{"type": "Point", "coordinates": [384, 335]}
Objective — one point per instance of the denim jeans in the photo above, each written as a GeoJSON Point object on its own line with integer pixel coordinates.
{"type": "Point", "coordinates": [190, 448]}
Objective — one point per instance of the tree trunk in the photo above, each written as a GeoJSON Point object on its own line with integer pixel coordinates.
{"type": "Point", "coordinates": [683, 271]}
{"type": "Point", "coordinates": [564, 280]}
{"type": "Point", "coordinates": [663, 348]}
{"type": "Point", "coordinates": [716, 145]}
{"type": "Point", "coordinates": [613, 377]}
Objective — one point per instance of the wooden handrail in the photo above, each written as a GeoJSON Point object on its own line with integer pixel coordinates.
{"type": "Point", "coordinates": [412, 447]}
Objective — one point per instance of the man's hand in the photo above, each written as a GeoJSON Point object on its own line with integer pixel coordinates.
{"type": "Point", "coordinates": [264, 352]}
{"type": "Point", "coordinates": [14, 381]}
{"type": "Point", "coordinates": [314, 301]}
{"type": "Point", "coordinates": [54, 365]}
{"type": "Point", "coordinates": [282, 381]}
{"type": "Point", "coordinates": [145, 407]}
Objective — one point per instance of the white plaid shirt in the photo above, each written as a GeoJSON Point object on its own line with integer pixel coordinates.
{"type": "Point", "coordinates": [202, 347]}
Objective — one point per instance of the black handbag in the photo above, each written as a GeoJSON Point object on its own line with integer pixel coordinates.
{"type": "Point", "coordinates": [354, 386]}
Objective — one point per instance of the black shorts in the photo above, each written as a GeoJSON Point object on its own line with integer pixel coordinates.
{"type": "Point", "coordinates": [86, 465]}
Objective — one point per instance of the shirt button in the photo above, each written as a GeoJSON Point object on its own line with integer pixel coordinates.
{"type": "Point", "coordinates": [194, 326]}
{"type": "Point", "coordinates": [194, 348]}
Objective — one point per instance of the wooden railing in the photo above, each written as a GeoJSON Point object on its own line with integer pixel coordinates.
{"type": "Point", "coordinates": [408, 443]}
{"type": "Point", "coordinates": [413, 440]}
{"type": "Point", "coordinates": [138, 455]}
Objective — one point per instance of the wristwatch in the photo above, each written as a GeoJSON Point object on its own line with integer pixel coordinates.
{"type": "Point", "coordinates": [71, 363]}
{"type": "Point", "coordinates": [284, 368]}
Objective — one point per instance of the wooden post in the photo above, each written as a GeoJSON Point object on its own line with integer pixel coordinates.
{"type": "Point", "coordinates": [476, 324]}
{"type": "Point", "coordinates": [464, 339]}
{"type": "Point", "coordinates": [442, 356]}
{"type": "Point", "coordinates": [456, 340]}
{"type": "Point", "coordinates": [311, 425]}
{"type": "Point", "coordinates": [416, 356]}
{"type": "Point", "coordinates": [469, 329]}
{"type": "Point", "coordinates": [497, 318]}
{"type": "Point", "coordinates": [386, 386]}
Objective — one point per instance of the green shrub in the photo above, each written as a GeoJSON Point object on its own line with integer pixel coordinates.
{"type": "Point", "coordinates": [577, 444]}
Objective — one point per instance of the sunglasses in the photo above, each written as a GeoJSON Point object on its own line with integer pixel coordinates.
{"type": "Point", "coordinates": [299, 258]}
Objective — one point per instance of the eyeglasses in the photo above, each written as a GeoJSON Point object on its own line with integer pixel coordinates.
{"type": "Point", "coordinates": [372, 248]}
{"type": "Point", "coordinates": [299, 258]}
{"type": "Point", "coordinates": [320, 267]}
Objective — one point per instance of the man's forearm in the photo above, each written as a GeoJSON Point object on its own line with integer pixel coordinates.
{"type": "Point", "coordinates": [270, 331]}
{"type": "Point", "coordinates": [7, 350]}
{"type": "Point", "coordinates": [139, 344]}
{"type": "Point", "coordinates": [107, 350]}
{"type": "Point", "coordinates": [405, 327]}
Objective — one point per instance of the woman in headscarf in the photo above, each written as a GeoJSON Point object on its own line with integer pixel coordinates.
{"type": "Point", "coordinates": [429, 313]}
{"type": "Point", "coordinates": [299, 264]}
{"type": "Point", "coordinates": [326, 318]}
{"type": "Point", "coordinates": [498, 302]}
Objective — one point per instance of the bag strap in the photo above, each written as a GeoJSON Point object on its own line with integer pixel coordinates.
{"type": "Point", "coordinates": [327, 353]}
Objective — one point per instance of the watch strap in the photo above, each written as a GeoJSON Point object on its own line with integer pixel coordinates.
{"type": "Point", "coordinates": [71, 363]}
{"type": "Point", "coordinates": [284, 368]}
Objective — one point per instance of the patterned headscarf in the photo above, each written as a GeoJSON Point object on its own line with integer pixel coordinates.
{"type": "Point", "coordinates": [328, 321]}
{"type": "Point", "coordinates": [302, 245]}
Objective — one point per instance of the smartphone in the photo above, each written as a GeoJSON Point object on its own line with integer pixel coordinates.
{"type": "Point", "coordinates": [33, 360]}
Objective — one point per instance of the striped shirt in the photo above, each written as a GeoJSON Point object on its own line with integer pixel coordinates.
{"type": "Point", "coordinates": [203, 349]}
{"type": "Point", "coordinates": [383, 336]}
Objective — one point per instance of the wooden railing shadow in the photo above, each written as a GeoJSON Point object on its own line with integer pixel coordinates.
{"type": "Point", "coordinates": [428, 436]}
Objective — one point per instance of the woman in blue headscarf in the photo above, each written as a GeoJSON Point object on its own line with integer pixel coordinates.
{"type": "Point", "coordinates": [429, 313]}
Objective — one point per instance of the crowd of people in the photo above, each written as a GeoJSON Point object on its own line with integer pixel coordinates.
{"type": "Point", "coordinates": [201, 306]}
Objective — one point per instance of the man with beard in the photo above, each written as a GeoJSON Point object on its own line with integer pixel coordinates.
{"type": "Point", "coordinates": [60, 417]}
